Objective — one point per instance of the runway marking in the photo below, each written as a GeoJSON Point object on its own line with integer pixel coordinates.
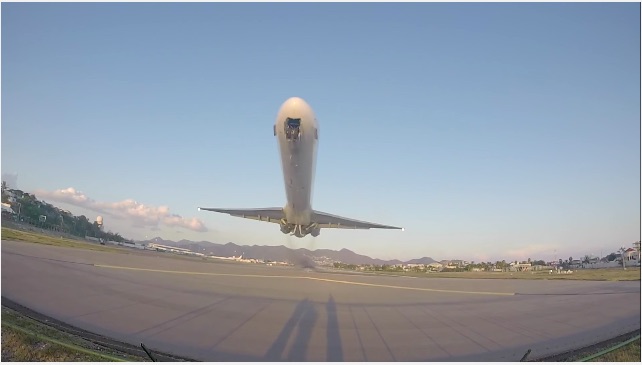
{"type": "Point", "coordinates": [303, 277]}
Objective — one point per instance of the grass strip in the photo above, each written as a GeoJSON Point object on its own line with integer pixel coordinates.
{"type": "Point", "coordinates": [34, 237]}
{"type": "Point", "coordinates": [19, 346]}
{"type": "Point", "coordinates": [63, 344]}
{"type": "Point", "coordinates": [614, 348]}
{"type": "Point", "coordinates": [610, 274]}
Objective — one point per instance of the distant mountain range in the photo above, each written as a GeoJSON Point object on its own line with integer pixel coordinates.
{"type": "Point", "coordinates": [282, 253]}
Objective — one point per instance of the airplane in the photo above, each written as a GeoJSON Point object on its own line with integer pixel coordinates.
{"type": "Point", "coordinates": [297, 133]}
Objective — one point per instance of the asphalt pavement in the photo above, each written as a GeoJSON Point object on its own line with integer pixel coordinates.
{"type": "Point", "coordinates": [224, 311]}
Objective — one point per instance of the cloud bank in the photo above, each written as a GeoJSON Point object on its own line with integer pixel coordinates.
{"type": "Point", "coordinates": [138, 214]}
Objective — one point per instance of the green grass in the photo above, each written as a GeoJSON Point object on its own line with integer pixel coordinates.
{"type": "Point", "coordinates": [17, 346]}
{"type": "Point", "coordinates": [17, 235]}
{"type": "Point", "coordinates": [619, 274]}
{"type": "Point", "coordinates": [628, 353]}
{"type": "Point", "coordinates": [24, 339]}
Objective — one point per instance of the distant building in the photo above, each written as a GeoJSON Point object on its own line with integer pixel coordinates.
{"type": "Point", "coordinates": [155, 246]}
{"type": "Point", "coordinates": [631, 254]}
{"type": "Point", "coordinates": [7, 208]}
{"type": "Point", "coordinates": [576, 263]}
{"type": "Point", "coordinates": [11, 194]}
{"type": "Point", "coordinates": [520, 267]}
{"type": "Point", "coordinates": [458, 263]}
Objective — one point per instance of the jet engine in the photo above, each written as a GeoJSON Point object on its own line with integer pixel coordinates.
{"type": "Point", "coordinates": [299, 230]}
{"type": "Point", "coordinates": [286, 228]}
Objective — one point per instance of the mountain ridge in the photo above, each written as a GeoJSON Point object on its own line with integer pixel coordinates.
{"type": "Point", "coordinates": [282, 253]}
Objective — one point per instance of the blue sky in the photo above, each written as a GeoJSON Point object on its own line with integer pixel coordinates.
{"type": "Point", "coordinates": [488, 131]}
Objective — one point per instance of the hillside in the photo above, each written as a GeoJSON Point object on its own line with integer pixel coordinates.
{"type": "Point", "coordinates": [282, 253]}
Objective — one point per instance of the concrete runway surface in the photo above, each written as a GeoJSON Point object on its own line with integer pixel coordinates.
{"type": "Point", "coordinates": [243, 312]}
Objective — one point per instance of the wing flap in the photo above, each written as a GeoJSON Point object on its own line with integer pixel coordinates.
{"type": "Point", "coordinates": [272, 215]}
{"type": "Point", "coordinates": [327, 220]}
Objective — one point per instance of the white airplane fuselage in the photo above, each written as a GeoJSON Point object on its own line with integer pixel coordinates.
{"type": "Point", "coordinates": [297, 133]}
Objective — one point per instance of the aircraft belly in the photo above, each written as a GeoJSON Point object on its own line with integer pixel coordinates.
{"type": "Point", "coordinates": [298, 165]}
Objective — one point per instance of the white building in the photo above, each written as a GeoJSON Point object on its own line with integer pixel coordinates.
{"type": "Point", "coordinates": [631, 254]}
{"type": "Point", "coordinates": [7, 208]}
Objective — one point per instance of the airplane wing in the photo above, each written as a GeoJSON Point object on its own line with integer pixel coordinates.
{"type": "Point", "coordinates": [272, 215]}
{"type": "Point", "coordinates": [325, 220]}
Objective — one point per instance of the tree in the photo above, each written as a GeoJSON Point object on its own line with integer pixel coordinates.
{"type": "Point", "coordinates": [622, 250]}
{"type": "Point", "coordinates": [30, 209]}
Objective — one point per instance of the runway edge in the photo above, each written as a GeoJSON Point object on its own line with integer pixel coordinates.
{"type": "Point", "coordinates": [90, 336]}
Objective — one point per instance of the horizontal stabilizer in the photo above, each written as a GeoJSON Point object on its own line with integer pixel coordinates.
{"type": "Point", "coordinates": [272, 215]}
{"type": "Point", "coordinates": [325, 220]}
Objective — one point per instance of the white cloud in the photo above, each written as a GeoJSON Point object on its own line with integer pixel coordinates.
{"type": "Point", "coordinates": [140, 215]}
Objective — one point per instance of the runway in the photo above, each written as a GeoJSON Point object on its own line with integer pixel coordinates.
{"type": "Point", "coordinates": [243, 312]}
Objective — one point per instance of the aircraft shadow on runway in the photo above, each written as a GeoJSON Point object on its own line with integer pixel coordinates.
{"type": "Point", "coordinates": [334, 350]}
{"type": "Point", "coordinates": [303, 320]}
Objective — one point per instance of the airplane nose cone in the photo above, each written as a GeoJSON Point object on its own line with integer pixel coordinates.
{"type": "Point", "coordinates": [295, 107]}
{"type": "Point", "coordinates": [295, 102]}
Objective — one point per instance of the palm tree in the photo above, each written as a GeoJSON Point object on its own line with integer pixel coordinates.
{"type": "Point", "coordinates": [622, 250]}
